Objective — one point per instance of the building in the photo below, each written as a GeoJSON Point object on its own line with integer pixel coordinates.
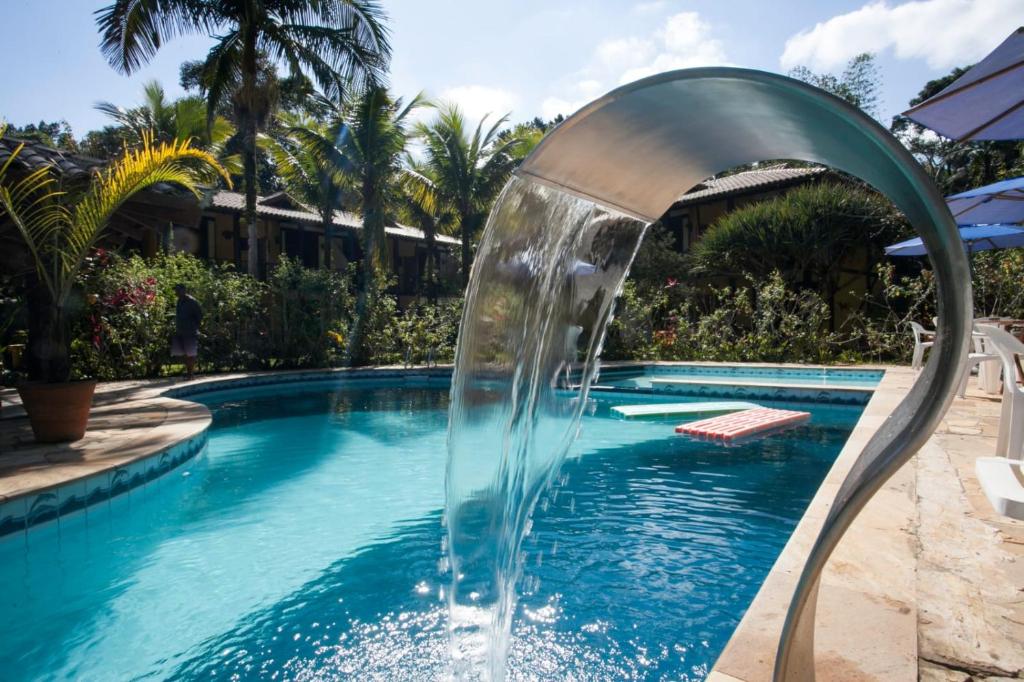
{"type": "Point", "coordinates": [691, 215]}
{"type": "Point", "coordinates": [167, 218]}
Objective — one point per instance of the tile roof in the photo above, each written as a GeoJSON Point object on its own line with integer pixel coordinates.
{"type": "Point", "coordinates": [746, 181]}
{"type": "Point", "coordinates": [35, 155]}
{"type": "Point", "coordinates": [235, 201]}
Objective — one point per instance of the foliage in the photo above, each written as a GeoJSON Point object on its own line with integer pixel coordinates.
{"type": "Point", "coordinates": [106, 143]}
{"type": "Point", "coordinates": [998, 278]}
{"type": "Point", "coordinates": [61, 226]}
{"type": "Point", "coordinates": [182, 120]}
{"type": "Point", "coordinates": [56, 134]}
{"type": "Point", "coordinates": [882, 333]}
{"type": "Point", "coordinates": [469, 169]}
{"type": "Point", "coordinates": [766, 322]}
{"type": "Point", "coordinates": [361, 146]}
{"type": "Point", "coordinates": [305, 173]}
{"type": "Point", "coordinates": [304, 306]}
{"type": "Point", "coordinates": [807, 235]}
{"type": "Point", "coordinates": [859, 84]}
{"type": "Point", "coordinates": [420, 334]}
{"type": "Point", "coordinates": [298, 318]}
{"type": "Point", "coordinates": [337, 43]}
{"type": "Point", "coordinates": [129, 317]}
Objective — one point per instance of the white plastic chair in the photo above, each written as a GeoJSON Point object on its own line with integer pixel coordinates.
{"type": "Point", "coordinates": [1000, 479]}
{"type": "Point", "coordinates": [989, 371]}
{"type": "Point", "coordinates": [921, 344]}
{"type": "Point", "coordinates": [981, 358]}
{"type": "Point", "coordinates": [1010, 442]}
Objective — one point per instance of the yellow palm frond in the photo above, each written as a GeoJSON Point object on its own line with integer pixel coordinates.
{"type": "Point", "coordinates": [59, 236]}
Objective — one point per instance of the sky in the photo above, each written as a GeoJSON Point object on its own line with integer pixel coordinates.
{"type": "Point", "coordinates": [531, 57]}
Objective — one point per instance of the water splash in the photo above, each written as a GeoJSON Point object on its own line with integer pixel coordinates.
{"type": "Point", "coordinates": [546, 274]}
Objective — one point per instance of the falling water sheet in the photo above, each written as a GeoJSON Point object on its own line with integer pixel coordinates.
{"type": "Point", "coordinates": [544, 282]}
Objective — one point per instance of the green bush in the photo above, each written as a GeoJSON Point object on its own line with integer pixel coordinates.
{"type": "Point", "coordinates": [298, 318]}
{"type": "Point", "coordinates": [426, 331]}
{"type": "Point", "coordinates": [766, 322]}
{"type": "Point", "coordinates": [308, 309]}
{"type": "Point", "coordinates": [129, 315]}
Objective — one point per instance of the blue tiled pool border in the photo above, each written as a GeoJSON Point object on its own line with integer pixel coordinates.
{"type": "Point", "coordinates": [844, 396]}
{"type": "Point", "coordinates": [23, 512]}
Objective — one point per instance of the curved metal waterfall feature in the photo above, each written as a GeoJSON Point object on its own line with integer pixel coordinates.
{"type": "Point", "coordinates": [638, 148]}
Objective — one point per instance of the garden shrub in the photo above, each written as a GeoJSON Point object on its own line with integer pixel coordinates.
{"type": "Point", "coordinates": [298, 318]}
{"type": "Point", "coordinates": [128, 318]}
{"type": "Point", "coordinates": [308, 310]}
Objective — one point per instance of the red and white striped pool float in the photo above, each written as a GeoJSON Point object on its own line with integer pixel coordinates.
{"type": "Point", "coordinates": [739, 424]}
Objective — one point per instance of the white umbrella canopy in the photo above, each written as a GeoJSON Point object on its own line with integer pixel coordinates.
{"type": "Point", "coordinates": [986, 103]}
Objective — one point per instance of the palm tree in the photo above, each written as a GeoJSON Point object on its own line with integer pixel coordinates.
{"type": "Point", "coordinates": [469, 169]}
{"type": "Point", "coordinates": [181, 120]}
{"type": "Point", "coordinates": [306, 172]}
{"type": "Point", "coordinates": [60, 226]}
{"type": "Point", "coordinates": [338, 42]}
{"type": "Point", "coordinates": [364, 140]}
{"type": "Point", "coordinates": [374, 143]}
{"type": "Point", "coordinates": [423, 206]}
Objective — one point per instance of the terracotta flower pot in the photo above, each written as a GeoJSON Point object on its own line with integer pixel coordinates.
{"type": "Point", "coordinates": [58, 412]}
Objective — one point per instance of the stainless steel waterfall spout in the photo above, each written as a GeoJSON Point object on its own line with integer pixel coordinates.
{"type": "Point", "coordinates": [641, 146]}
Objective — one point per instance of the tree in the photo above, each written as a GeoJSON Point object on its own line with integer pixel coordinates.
{"type": "Point", "coordinates": [182, 120]}
{"type": "Point", "coordinates": [424, 207]}
{"type": "Point", "coordinates": [469, 169]}
{"type": "Point", "coordinates": [106, 143]}
{"type": "Point", "coordinates": [806, 235]}
{"type": "Point", "coordinates": [858, 84]}
{"type": "Point", "coordinates": [528, 134]}
{"type": "Point", "coordinates": [306, 171]}
{"type": "Point", "coordinates": [338, 42]}
{"type": "Point", "coordinates": [60, 226]}
{"type": "Point", "coordinates": [56, 134]}
{"type": "Point", "coordinates": [363, 142]}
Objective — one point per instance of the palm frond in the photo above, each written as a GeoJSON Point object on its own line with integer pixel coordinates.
{"type": "Point", "coordinates": [132, 31]}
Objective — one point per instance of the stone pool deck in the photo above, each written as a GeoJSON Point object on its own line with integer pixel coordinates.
{"type": "Point", "coordinates": [129, 421]}
{"type": "Point", "coordinates": [928, 584]}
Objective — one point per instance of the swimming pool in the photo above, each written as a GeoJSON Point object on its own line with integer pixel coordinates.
{"type": "Point", "coordinates": [306, 541]}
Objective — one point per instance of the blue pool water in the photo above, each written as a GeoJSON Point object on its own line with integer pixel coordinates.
{"type": "Point", "coordinates": [306, 543]}
{"type": "Point", "coordinates": [740, 375]}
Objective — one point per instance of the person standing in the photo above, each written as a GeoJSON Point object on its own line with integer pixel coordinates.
{"type": "Point", "coordinates": [187, 316]}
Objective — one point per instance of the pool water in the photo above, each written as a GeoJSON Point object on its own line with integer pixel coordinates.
{"type": "Point", "coordinates": [305, 542]}
{"type": "Point", "coordinates": [743, 375]}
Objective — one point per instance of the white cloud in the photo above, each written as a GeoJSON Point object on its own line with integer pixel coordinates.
{"type": "Point", "coordinates": [945, 33]}
{"type": "Point", "coordinates": [684, 40]}
{"type": "Point", "coordinates": [477, 101]}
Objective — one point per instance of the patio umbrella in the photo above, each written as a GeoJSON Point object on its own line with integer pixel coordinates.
{"type": "Point", "coordinates": [999, 203]}
{"type": "Point", "coordinates": [986, 103]}
{"type": "Point", "coordinates": [975, 238]}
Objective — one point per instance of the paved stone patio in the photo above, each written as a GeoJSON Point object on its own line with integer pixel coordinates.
{"type": "Point", "coordinates": [129, 421]}
{"type": "Point", "coordinates": [970, 564]}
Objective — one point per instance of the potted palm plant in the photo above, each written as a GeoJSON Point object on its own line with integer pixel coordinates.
{"type": "Point", "coordinates": [60, 226]}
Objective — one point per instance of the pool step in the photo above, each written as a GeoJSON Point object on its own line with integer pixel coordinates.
{"type": "Point", "coordinates": [679, 409]}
